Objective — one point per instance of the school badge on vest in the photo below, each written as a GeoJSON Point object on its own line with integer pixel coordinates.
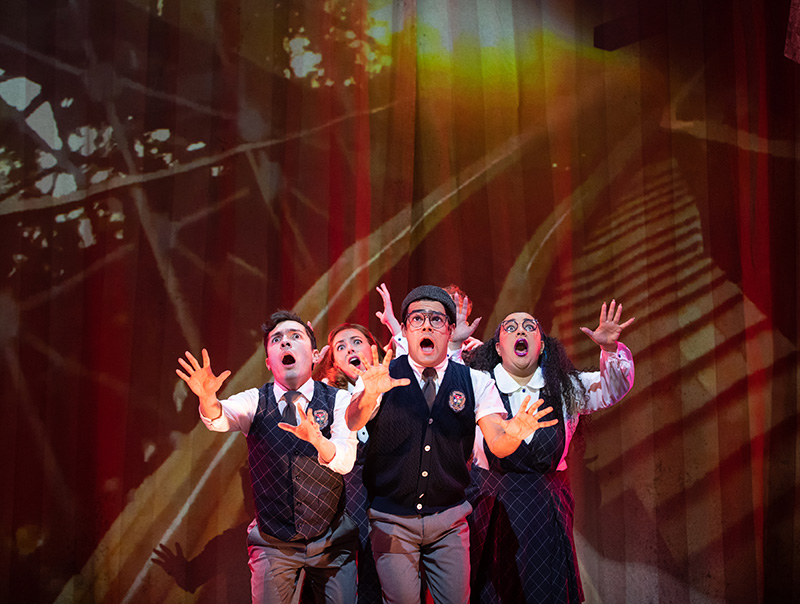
{"type": "Point", "coordinates": [457, 400]}
{"type": "Point", "coordinates": [321, 417]}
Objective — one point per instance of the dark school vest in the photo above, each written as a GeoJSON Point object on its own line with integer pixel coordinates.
{"type": "Point", "coordinates": [296, 498]}
{"type": "Point", "coordinates": [416, 462]}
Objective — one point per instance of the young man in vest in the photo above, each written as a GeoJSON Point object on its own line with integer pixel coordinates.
{"type": "Point", "coordinates": [421, 412]}
{"type": "Point", "coordinates": [298, 448]}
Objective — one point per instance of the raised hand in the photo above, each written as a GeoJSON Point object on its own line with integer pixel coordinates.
{"type": "Point", "coordinates": [201, 380]}
{"type": "Point", "coordinates": [609, 328]}
{"type": "Point", "coordinates": [376, 377]}
{"type": "Point", "coordinates": [376, 380]}
{"type": "Point", "coordinates": [308, 429]}
{"type": "Point", "coordinates": [471, 343]}
{"type": "Point", "coordinates": [528, 419]}
{"type": "Point", "coordinates": [387, 316]}
{"type": "Point", "coordinates": [464, 329]}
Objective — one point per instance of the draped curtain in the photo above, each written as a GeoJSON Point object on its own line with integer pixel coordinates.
{"type": "Point", "coordinates": [171, 172]}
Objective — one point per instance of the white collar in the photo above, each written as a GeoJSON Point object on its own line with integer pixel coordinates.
{"type": "Point", "coordinates": [307, 390]}
{"type": "Point", "coordinates": [440, 368]}
{"type": "Point", "coordinates": [508, 385]}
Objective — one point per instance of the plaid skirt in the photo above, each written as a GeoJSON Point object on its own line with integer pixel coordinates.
{"type": "Point", "coordinates": [527, 550]}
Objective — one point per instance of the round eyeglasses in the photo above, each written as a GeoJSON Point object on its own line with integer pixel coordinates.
{"type": "Point", "coordinates": [511, 325]}
{"type": "Point", "coordinates": [416, 319]}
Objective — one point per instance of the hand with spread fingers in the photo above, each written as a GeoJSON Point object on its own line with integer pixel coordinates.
{"type": "Point", "coordinates": [609, 327]}
{"type": "Point", "coordinates": [203, 382]}
{"type": "Point", "coordinates": [464, 329]}
{"type": "Point", "coordinates": [309, 431]}
{"type": "Point", "coordinates": [376, 381]}
{"type": "Point", "coordinates": [376, 377]}
{"type": "Point", "coordinates": [528, 419]}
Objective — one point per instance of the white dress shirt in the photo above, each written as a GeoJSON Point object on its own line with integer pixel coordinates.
{"type": "Point", "coordinates": [487, 399]}
{"type": "Point", "coordinates": [603, 389]}
{"type": "Point", "coordinates": [238, 412]}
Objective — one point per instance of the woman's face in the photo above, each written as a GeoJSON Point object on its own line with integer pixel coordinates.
{"type": "Point", "coordinates": [519, 345]}
{"type": "Point", "coordinates": [345, 348]}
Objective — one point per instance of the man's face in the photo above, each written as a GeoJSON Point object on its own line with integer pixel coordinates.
{"type": "Point", "coordinates": [427, 345]}
{"type": "Point", "coordinates": [519, 344]}
{"type": "Point", "coordinates": [290, 357]}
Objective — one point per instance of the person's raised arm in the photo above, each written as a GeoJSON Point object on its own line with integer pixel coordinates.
{"type": "Point", "coordinates": [616, 375]}
{"type": "Point", "coordinates": [464, 329]}
{"type": "Point", "coordinates": [609, 328]}
{"type": "Point", "coordinates": [504, 436]}
{"type": "Point", "coordinates": [203, 382]}
{"type": "Point", "coordinates": [376, 381]}
{"type": "Point", "coordinates": [387, 316]}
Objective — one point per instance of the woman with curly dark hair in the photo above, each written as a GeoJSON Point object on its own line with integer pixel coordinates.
{"type": "Point", "coordinates": [339, 367]}
{"type": "Point", "coordinates": [523, 507]}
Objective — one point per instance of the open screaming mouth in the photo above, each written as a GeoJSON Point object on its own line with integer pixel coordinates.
{"type": "Point", "coordinates": [355, 362]}
{"type": "Point", "coordinates": [521, 347]}
{"type": "Point", "coordinates": [426, 344]}
{"type": "Point", "coordinates": [287, 359]}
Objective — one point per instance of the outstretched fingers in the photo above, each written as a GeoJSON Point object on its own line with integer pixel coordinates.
{"type": "Point", "coordinates": [461, 305]}
{"type": "Point", "coordinates": [191, 366]}
{"type": "Point", "coordinates": [384, 292]}
{"type": "Point", "coordinates": [533, 411]}
{"type": "Point", "coordinates": [186, 365]}
{"type": "Point", "coordinates": [526, 401]}
{"type": "Point", "coordinates": [386, 359]}
{"type": "Point", "coordinates": [222, 377]}
{"type": "Point", "coordinates": [618, 314]}
{"type": "Point", "coordinates": [611, 309]}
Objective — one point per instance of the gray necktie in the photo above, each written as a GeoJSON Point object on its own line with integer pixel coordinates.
{"type": "Point", "coordinates": [289, 415]}
{"type": "Point", "coordinates": [429, 389]}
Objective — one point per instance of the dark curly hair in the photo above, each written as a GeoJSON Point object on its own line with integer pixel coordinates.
{"type": "Point", "coordinates": [325, 369]}
{"type": "Point", "coordinates": [561, 379]}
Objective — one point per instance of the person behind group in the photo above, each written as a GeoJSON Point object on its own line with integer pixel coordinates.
{"type": "Point", "coordinates": [461, 340]}
{"type": "Point", "coordinates": [338, 366]}
{"type": "Point", "coordinates": [421, 412]}
{"type": "Point", "coordinates": [529, 555]}
{"type": "Point", "coordinates": [298, 448]}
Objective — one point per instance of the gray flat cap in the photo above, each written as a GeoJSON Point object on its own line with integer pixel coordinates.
{"type": "Point", "coordinates": [429, 292]}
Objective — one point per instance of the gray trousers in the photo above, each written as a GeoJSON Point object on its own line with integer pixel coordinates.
{"type": "Point", "coordinates": [437, 544]}
{"type": "Point", "coordinates": [329, 563]}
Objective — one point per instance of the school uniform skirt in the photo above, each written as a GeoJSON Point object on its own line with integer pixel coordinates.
{"type": "Point", "coordinates": [529, 555]}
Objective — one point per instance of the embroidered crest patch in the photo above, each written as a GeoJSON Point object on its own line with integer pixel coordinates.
{"type": "Point", "coordinates": [321, 417]}
{"type": "Point", "coordinates": [457, 400]}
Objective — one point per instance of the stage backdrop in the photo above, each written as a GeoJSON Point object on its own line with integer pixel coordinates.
{"type": "Point", "coordinates": [172, 171]}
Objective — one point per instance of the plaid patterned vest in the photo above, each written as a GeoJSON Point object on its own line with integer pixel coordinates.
{"type": "Point", "coordinates": [416, 462]}
{"type": "Point", "coordinates": [296, 498]}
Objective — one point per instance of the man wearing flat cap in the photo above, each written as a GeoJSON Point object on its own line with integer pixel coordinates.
{"type": "Point", "coordinates": [421, 411]}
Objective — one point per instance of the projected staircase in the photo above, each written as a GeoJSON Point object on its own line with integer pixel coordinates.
{"type": "Point", "coordinates": [686, 447]}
